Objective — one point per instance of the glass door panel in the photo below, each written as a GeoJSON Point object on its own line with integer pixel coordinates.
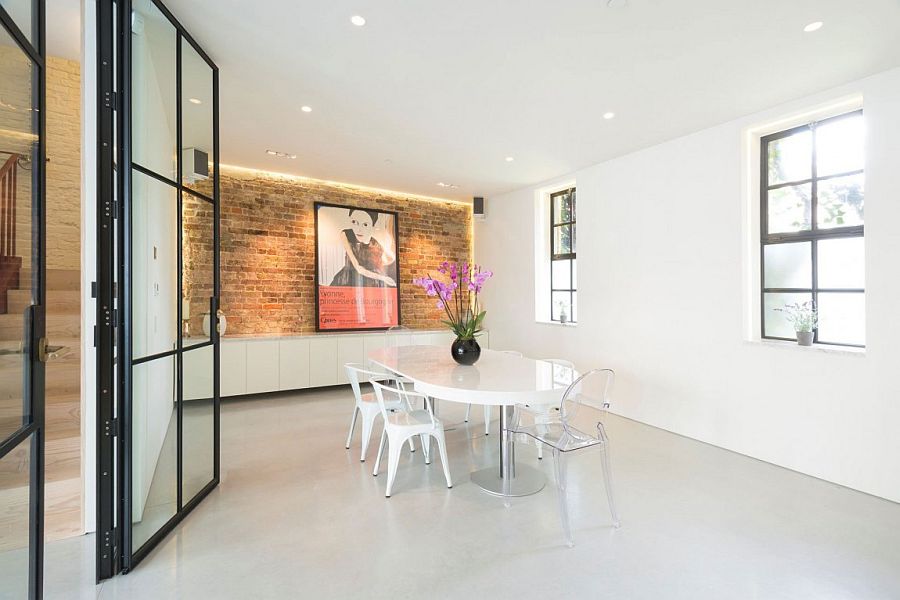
{"type": "Point", "coordinates": [15, 522]}
{"type": "Point", "coordinates": [197, 120]}
{"type": "Point", "coordinates": [154, 437]}
{"type": "Point", "coordinates": [169, 257]}
{"type": "Point", "coordinates": [153, 89]}
{"type": "Point", "coordinates": [22, 300]}
{"type": "Point", "coordinates": [197, 251]}
{"type": "Point", "coordinates": [198, 418]}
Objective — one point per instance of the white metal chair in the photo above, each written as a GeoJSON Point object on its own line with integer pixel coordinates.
{"type": "Point", "coordinates": [402, 426]}
{"type": "Point", "coordinates": [487, 407]}
{"type": "Point", "coordinates": [577, 426]}
{"type": "Point", "coordinates": [367, 405]}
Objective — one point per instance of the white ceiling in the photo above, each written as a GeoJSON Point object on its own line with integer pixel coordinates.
{"type": "Point", "coordinates": [434, 91]}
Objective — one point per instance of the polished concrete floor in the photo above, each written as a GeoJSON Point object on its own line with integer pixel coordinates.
{"type": "Point", "coordinates": [298, 516]}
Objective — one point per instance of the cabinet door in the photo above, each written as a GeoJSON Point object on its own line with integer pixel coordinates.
{"type": "Point", "coordinates": [293, 364]}
{"type": "Point", "coordinates": [323, 361]}
{"type": "Point", "coordinates": [233, 371]}
{"type": "Point", "coordinates": [350, 349]}
{"type": "Point", "coordinates": [262, 366]}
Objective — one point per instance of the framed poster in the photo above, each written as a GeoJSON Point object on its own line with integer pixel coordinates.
{"type": "Point", "coordinates": [357, 268]}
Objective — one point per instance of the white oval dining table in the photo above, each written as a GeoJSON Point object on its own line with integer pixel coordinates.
{"type": "Point", "coordinates": [497, 379]}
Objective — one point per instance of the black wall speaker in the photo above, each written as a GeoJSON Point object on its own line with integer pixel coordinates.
{"type": "Point", "coordinates": [478, 207]}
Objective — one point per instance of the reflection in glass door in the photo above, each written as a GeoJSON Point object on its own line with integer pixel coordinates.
{"type": "Point", "coordinates": [23, 349]}
{"type": "Point", "coordinates": [168, 264]}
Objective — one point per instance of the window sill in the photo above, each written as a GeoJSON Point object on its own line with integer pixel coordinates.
{"type": "Point", "coordinates": [555, 323]}
{"type": "Point", "coordinates": [824, 348]}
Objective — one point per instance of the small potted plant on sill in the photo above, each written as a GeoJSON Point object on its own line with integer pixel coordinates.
{"type": "Point", "coordinates": [804, 317]}
{"type": "Point", "coordinates": [458, 298]}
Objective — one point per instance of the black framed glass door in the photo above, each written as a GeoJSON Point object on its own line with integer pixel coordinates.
{"type": "Point", "coordinates": [163, 284]}
{"type": "Point", "coordinates": [23, 347]}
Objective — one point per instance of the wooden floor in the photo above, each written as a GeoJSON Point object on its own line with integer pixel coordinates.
{"type": "Point", "coordinates": [63, 488]}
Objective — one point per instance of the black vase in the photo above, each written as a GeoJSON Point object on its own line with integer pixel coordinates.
{"type": "Point", "coordinates": [465, 352]}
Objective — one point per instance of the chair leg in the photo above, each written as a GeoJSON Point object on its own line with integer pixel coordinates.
{"type": "Point", "coordinates": [607, 477]}
{"type": "Point", "coordinates": [559, 464]}
{"type": "Point", "coordinates": [468, 410]}
{"type": "Point", "coordinates": [352, 426]}
{"type": "Point", "coordinates": [412, 444]}
{"type": "Point", "coordinates": [487, 419]}
{"type": "Point", "coordinates": [380, 452]}
{"type": "Point", "coordinates": [426, 447]}
{"type": "Point", "coordinates": [393, 461]}
{"type": "Point", "coordinates": [367, 424]}
{"type": "Point", "coordinates": [442, 450]}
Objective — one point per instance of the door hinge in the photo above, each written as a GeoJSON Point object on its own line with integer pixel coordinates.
{"type": "Point", "coordinates": [109, 99]}
{"type": "Point", "coordinates": [110, 547]}
{"type": "Point", "coordinates": [93, 289]}
{"type": "Point", "coordinates": [111, 427]}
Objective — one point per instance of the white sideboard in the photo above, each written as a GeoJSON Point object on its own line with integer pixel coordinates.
{"type": "Point", "coordinates": [272, 363]}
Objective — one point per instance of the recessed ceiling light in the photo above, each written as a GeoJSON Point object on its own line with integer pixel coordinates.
{"type": "Point", "coordinates": [306, 108]}
{"type": "Point", "coordinates": [280, 154]}
{"type": "Point", "coordinates": [195, 101]}
{"type": "Point", "coordinates": [447, 185]}
{"type": "Point", "coordinates": [272, 152]}
{"type": "Point", "coordinates": [814, 26]}
{"type": "Point", "coordinates": [510, 159]}
{"type": "Point", "coordinates": [357, 20]}
{"type": "Point", "coordinates": [609, 115]}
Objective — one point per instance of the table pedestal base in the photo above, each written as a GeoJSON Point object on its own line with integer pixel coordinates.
{"type": "Point", "coordinates": [527, 481]}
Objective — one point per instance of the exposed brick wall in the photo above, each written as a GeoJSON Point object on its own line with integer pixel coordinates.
{"type": "Point", "coordinates": [268, 249]}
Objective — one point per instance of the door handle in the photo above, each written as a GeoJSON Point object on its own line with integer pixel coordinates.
{"type": "Point", "coordinates": [46, 352]}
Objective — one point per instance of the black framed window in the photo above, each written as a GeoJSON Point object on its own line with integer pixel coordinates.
{"type": "Point", "coordinates": [812, 228]}
{"type": "Point", "coordinates": [563, 296]}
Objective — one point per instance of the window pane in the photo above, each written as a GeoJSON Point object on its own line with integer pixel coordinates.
{"type": "Point", "coordinates": [561, 274]}
{"type": "Point", "coordinates": [842, 263]}
{"type": "Point", "coordinates": [562, 208]}
{"type": "Point", "coordinates": [790, 158]}
{"type": "Point", "coordinates": [153, 89]}
{"type": "Point", "coordinates": [574, 274]}
{"type": "Point", "coordinates": [15, 492]}
{"type": "Point", "coordinates": [154, 458]}
{"type": "Point", "coordinates": [790, 208]}
{"type": "Point", "coordinates": [197, 119]}
{"type": "Point", "coordinates": [561, 306]}
{"type": "Point", "coordinates": [562, 240]}
{"type": "Point", "coordinates": [841, 201]}
{"type": "Point", "coordinates": [840, 146]}
{"type": "Point", "coordinates": [776, 324]}
{"type": "Point", "coordinates": [197, 424]}
{"type": "Point", "coordinates": [154, 246]}
{"type": "Point", "coordinates": [21, 12]}
{"type": "Point", "coordinates": [842, 318]}
{"type": "Point", "coordinates": [788, 265]}
{"type": "Point", "coordinates": [197, 268]}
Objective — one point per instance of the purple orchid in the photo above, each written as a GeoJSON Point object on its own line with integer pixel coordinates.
{"type": "Point", "coordinates": [458, 297]}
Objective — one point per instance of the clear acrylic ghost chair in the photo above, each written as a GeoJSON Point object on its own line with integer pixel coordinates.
{"type": "Point", "coordinates": [402, 426]}
{"type": "Point", "coordinates": [487, 407]}
{"type": "Point", "coordinates": [562, 370]}
{"type": "Point", "coordinates": [577, 426]}
{"type": "Point", "coordinates": [367, 405]}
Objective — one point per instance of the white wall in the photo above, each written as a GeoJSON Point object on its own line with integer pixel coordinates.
{"type": "Point", "coordinates": [662, 239]}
